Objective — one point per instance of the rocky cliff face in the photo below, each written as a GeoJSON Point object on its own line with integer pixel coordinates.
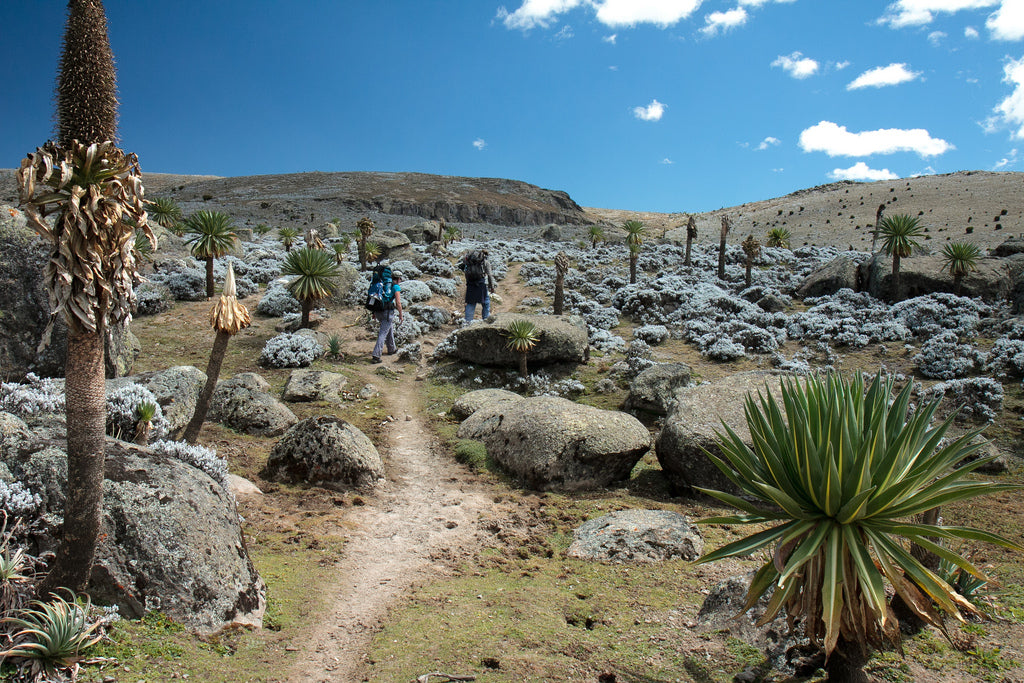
{"type": "Point", "coordinates": [317, 196]}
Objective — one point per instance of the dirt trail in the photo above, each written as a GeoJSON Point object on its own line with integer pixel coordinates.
{"type": "Point", "coordinates": [428, 509]}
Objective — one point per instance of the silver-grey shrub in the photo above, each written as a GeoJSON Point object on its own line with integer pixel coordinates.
{"type": "Point", "coordinates": [944, 357]}
{"type": "Point", "coordinates": [277, 300]}
{"type": "Point", "coordinates": [1006, 359]}
{"type": "Point", "coordinates": [652, 334]}
{"type": "Point", "coordinates": [977, 398]}
{"type": "Point", "coordinates": [200, 457]}
{"type": "Point", "coordinates": [18, 501]}
{"type": "Point", "coordinates": [185, 283]}
{"type": "Point", "coordinates": [122, 412]}
{"type": "Point", "coordinates": [152, 298]}
{"type": "Point", "coordinates": [444, 286]}
{"type": "Point", "coordinates": [290, 350]}
{"type": "Point", "coordinates": [32, 398]}
{"type": "Point", "coordinates": [938, 312]}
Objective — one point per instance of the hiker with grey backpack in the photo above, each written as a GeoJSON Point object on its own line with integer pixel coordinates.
{"type": "Point", "coordinates": [479, 282]}
{"type": "Point", "coordinates": [383, 299]}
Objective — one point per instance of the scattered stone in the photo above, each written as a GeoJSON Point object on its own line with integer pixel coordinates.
{"type": "Point", "coordinates": [562, 339]}
{"type": "Point", "coordinates": [243, 403]}
{"type": "Point", "coordinates": [641, 536]}
{"type": "Point", "coordinates": [313, 385]}
{"type": "Point", "coordinates": [654, 389]}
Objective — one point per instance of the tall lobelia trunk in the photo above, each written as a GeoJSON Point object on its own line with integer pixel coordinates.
{"type": "Point", "coordinates": [561, 268]}
{"type": "Point", "coordinates": [847, 661]}
{"type": "Point", "coordinates": [633, 255]}
{"type": "Point", "coordinates": [86, 411]}
{"type": "Point", "coordinates": [227, 317]}
{"type": "Point", "coordinates": [691, 234]}
{"type": "Point", "coordinates": [874, 233]}
{"type": "Point", "coordinates": [895, 277]}
{"type": "Point", "coordinates": [307, 308]}
{"type": "Point", "coordinates": [209, 277]}
{"type": "Point", "coordinates": [721, 248]}
{"type": "Point", "coordinates": [220, 347]}
{"type": "Point", "coordinates": [523, 371]}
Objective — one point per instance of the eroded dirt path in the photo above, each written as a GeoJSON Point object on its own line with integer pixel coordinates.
{"type": "Point", "coordinates": [408, 532]}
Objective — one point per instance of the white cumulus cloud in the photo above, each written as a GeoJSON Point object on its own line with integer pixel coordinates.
{"type": "Point", "coordinates": [971, 33]}
{"type": "Point", "coordinates": [479, 143]}
{"type": "Point", "coordinates": [662, 13]}
{"type": "Point", "coordinates": [881, 76]}
{"type": "Point", "coordinates": [796, 65]}
{"type": "Point", "coordinates": [652, 112]}
{"type": "Point", "coordinates": [835, 140]}
{"type": "Point", "coordinates": [769, 142]}
{"type": "Point", "coordinates": [861, 171]}
{"type": "Point", "coordinates": [1010, 112]}
{"type": "Point", "coordinates": [919, 12]}
{"type": "Point", "coordinates": [1007, 22]}
{"type": "Point", "coordinates": [723, 21]}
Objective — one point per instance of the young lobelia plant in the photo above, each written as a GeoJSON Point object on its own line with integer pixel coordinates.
{"type": "Point", "coordinates": [53, 635]}
{"type": "Point", "coordinates": [521, 336]}
{"type": "Point", "coordinates": [836, 472]}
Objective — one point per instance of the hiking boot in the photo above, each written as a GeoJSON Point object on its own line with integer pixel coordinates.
{"type": "Point", "coordinates": [375, 359]}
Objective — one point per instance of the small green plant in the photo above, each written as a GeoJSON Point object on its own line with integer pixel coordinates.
{"type": "Point", "coordinates": [635, 231]}
{"type": "Point", "coordinates": [316, 272]}
{"type": "Point", "coordinates": [965, 583]}
{"type": "Point", "coordinates": [522, 336]}
{"type": "Point", "coordinates": [144, 414]}
{"type": "Point", "coordinates": [287, 236]}
{"type": "Point", "coordinates": [899, 235]}
{"type": "Point", "coordinates": [596, 233]}
{"type": "Point", "coordinates": [334, 346]}
{"type": "Point", "coordinates": [372, 251]}
{"type": "Point", "coordinates": [340, 250]}
{"type": "Point", "coordinates": [471, 453]}
{"type": "Point", "coordinates": [752, 250]}
{"type": "Point", "coordinates": [451, 233]}
{"type": "Point", "coordinates": [166, 213]}
{"type": "Point", "coordinates": [262, 229]}
{"type": "Point", "coordinates": [53, 635]}
{"type": "Point", "coordinates": [778, 238]}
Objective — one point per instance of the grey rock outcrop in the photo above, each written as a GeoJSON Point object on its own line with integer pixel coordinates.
{"type": "Point", "coordinates": [1012, 246]}
{"type": "Point", "coordinates": [920, 275]}
{"type": "Point", "coordinates": [173, 542]}
{"type": "Point", "coordinates": [348, 273]}
{"type": "Point", "coordinates": [472, 401]}
{"type": "Point", "coordinates": [555, 444]}
{"type": "Point", "coordinates": [424, 232]}
{"type": "Point", "coordinates": [562, 339]}
{"type": "Point", "coordinates": [641, 536]}
{"type": "Point", "coordinates": [24, 311]}
{"type": "Point", "coordinates": [243, 403]}
{"type": "Point", "coordinates": [654, 389]}
{"type": "Point", "coordinates": [690, 429]}
{"type": "Point", "coordinates": [170, 536]}
{"type": "Point", "coordinates": [326, 451]}
{"type": "Point", "coordinates": [313, 385]}
{"type": "Point", "coordinates": [839, 273]}
{"type": "Point", "coordinates": [393, 244]}
{"type": "Point", "coordinates": [177, 391]}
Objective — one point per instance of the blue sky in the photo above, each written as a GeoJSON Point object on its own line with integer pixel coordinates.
{"type": "Point", "coordinates": [653, 105]}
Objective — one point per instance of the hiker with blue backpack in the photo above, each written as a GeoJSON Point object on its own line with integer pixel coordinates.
{"type": "Point", "coordinates": [383, 299]}
{"type": "Point", "coordinates": [479, 282]}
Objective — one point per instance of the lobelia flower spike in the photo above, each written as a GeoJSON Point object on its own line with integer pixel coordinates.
{"type": "Point", "coordinates": [227, 317]}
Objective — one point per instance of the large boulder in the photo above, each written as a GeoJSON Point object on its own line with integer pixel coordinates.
{"type": "Point", "coordinates": [472, 401]}
{"type": "Point", "coordinates": [921, 275]}
{"type": "Point", "coordinates": [326, 451]}
{"type": "Point", "coordinates": [1012, 246]}
{"type": "Point", "coordinates": [422, 233]}
{"type": "Point", "coordinates": [641, 536]}
{"type": "Point", "coordinates": [553, 443]}
{"type": "Point", "coordinates": [690, 429]}
{"type": "Point", "coordinates": [348, 274]}
{"type": "Point", "coordinates": [24, 310]}
{"type": "Point", "coordinates": [393, 244]}
{"type": "Point", "coordinates": [243, 404]}
{"type": "Point", "coordinates": [177, 390]}
{"type": "Point", "coordinates": [170, 537]}
{"type": "Point", "coordinates": [172, 541]}
{"type": "Point", "coordinates": [313, 385]}
{"type": "Point", "coordinates": [839, 273]}
{"type": "Point", "coordinates": [562, 339]}
{"type": "Point", "coordinates": [654, 389]}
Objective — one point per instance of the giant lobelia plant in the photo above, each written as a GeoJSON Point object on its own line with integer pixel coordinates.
{"type": "Point", "coordinates": [93, 192]}
{"type": "Point", "coordinates": [835, 473]}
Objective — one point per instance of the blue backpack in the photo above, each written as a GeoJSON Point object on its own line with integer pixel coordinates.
{"type": "Point", "coordinates": [381, 294]}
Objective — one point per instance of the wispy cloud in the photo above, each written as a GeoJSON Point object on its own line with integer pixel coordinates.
{"type": "Point", "coordinates": [835, 140]}
{"type": "Point", "coordinates": [796, 65]}
{"type": "Point", "coordinates": [1010, 112]}
{"type": "Point", "coordinates": [479, 143]}
{"type": "Point", "coordinates": [1007, 161]}
{"type": "Point", "coordinates": [768, 142]}
{"type": "Point", "coordinates": [611, 38]}
{"type": "Point", "coordinates": [920, 12]}
{"type": "Point", "coordinates": [565, 34]}
{"type": "Point", "coordinates": [667, 161]}
{"type": "Point", "coordinates": [861, 171]}
{"type": "Point", "coordinates": [936, 37]}
{"type": "Point", "coordinates": [882, 76]}
{"type": "Point", "coordinates": [652, 112]}
{"type": "Point", "coordinates": [723, 21]}
{"type": "Point", "coordinates": [971, 33]}
{"type": "Point", "coordinates": [1007, 22]}
{"type": "Point", "coordinates": [536, 13]}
